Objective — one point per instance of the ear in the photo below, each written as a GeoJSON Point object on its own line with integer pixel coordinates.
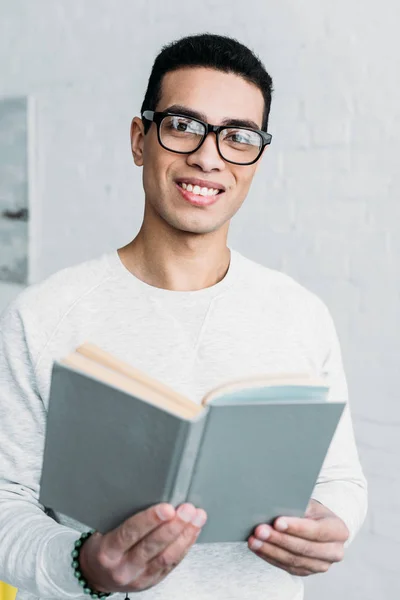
{"type": "Point", "coordinates": [137, 140]}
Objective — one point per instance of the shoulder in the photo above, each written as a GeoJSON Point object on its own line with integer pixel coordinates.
{"type": "Point", "coordinates": [40, 307]}
{"type": "Point", "coordinates": [271, 284]}
{"type": "Point", "coordinates": [273, 292]}
{"type": "Point", "coordinates": [302, 311]}
{"type": "Point", "coordinates": [61, 289]}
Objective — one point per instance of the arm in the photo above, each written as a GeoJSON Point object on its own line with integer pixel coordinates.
{"type": "Point", "coordinates": [341, 485]}
{"type": "Point", "coordinates": [34, 549]}
{"type": "Point", "coordinates": [338, 504]}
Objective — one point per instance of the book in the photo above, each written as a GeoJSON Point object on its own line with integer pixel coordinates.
{"type": "Point", "coordinates": [118, 441]}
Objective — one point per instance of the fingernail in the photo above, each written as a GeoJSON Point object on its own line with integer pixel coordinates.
{"type": "Point", "coordinates": [199, 519]}
{"type": "Point", "coordinates": [263, 533]}
{"type": "Point", "coordinates": [164, 512]}
{"type": "Point", "coordinates": [185, 512]}
{"type": "Point", "coordinates": [255, 544]}
{"type": "Point", "coordinates": [281, 525]}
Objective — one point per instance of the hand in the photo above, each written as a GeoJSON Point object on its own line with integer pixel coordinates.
{"type": "Point", "coordinates": [305, 545]}
{"type": "Point", "coordinates": [141, 551]}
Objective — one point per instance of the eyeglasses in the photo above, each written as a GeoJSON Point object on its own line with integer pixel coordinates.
{"type": "Point", "coordinates": [184, 135]}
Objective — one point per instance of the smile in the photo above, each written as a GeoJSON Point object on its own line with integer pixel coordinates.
{"type": "Point", "coordinates": [197, 196]}
{"type": "Point", "coordinates": [199, 191]}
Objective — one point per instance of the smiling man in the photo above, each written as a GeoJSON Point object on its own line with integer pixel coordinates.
{"type": "Point", "coordinates": [178, 303]}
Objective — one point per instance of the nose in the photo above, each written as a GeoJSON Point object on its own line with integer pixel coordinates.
{"type": "Point", "coordinates": [207, 157]}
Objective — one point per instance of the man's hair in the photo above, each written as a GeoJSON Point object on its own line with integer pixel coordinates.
{"type": "Point", "coordinates": [211, 51]}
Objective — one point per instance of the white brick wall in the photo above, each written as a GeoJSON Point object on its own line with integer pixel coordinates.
{"type": "Point", "coordinates": [324, 207]}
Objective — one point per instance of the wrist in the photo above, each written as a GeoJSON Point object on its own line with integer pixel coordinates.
{"type": "Point", "coordinates": [81, 571]}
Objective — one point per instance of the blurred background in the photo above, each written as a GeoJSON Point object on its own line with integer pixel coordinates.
{"type": "Point", "coordinates": [324, 207]}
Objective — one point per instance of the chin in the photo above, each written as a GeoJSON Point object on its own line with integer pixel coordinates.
{"type": "Point", "coordinates": [197, 228]}
{"type": "Point", "coordinates": [200, 231]}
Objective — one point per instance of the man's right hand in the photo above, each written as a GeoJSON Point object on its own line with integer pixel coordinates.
{"type": "Point", "coordinates": [143, 550]}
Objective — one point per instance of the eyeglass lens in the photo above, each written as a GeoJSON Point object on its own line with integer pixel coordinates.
{"type": "Point", "coordinates": [182, 134]}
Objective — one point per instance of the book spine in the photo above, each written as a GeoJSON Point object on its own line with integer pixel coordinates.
{"type": "Point", "coordinates": [186, 451]}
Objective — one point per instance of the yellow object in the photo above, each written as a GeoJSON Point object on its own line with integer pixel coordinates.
{"type": "Point", "coordinates": [7, 592]}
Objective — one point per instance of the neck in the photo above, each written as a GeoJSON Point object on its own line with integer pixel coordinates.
{"type": "Point", "coordinates": [177, 261]}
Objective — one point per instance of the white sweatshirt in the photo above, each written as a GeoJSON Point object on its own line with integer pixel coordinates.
{"type": "Point", "coordinates": [256, 320]}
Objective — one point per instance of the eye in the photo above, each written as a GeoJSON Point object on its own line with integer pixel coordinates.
{"type": "Point", "coordinates": [239, 137]}
{"type": "Point", "coordinates": [242, 137]}
{"type": "Point", "coordinates": [182, 125]}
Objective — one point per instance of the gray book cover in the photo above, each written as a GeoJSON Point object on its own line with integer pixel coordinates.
{"type": "Point", "coordinates": [257, 462]}
{"type": "Point", "coordinates": [247, 458]}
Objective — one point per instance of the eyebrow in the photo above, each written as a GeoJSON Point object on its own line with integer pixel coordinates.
{"type": "Point", "coordinates": [188, 112]}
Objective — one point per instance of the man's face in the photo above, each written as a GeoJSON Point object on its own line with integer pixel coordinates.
{"type": "Point", "coordinates": [218, 97]}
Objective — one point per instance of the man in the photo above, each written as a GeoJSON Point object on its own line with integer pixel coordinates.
{"type": "Point", "coordinates": [177, 303]}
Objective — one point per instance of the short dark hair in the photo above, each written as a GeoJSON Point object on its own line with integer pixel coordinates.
{"type": "Point", "coordinates": [211, 51]}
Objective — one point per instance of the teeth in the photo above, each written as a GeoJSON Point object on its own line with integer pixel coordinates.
{"type": "Point", "coordinates": [204, 191]}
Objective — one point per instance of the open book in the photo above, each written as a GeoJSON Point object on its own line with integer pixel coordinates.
{"type": "Point", "coordinates": [118, 441]}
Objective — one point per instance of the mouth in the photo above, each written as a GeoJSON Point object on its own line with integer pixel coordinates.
{"type": "Point", "coordinates": [200, 195]}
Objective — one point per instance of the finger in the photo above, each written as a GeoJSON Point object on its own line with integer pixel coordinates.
{"type": "Point", "coordinates": [288, 560]}
{"type": "Point", "coordinates": [293, 571]}
{"type": "Point", "coordinates": [166, 561]}
{"type": "Point", "coordinates": [156, 541]}
{"type": "Point", "coordinates": [326, 551]}
{"type": "Point", "coordinates": [116, 542]}
{"type": "Point", "coordinates": [175, 552]}
{"type": "Point", "coordinates": [328, 529]}
{"type": "Point", "coordinates": [135, 562]}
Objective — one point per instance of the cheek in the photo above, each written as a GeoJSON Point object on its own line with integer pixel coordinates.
{"type": "Point", "coordinates": [152, 169]}
{"type": "Point", "coordinates": [153, 154]}
{"type": "Point", "coordinates": [157, 164]}
{"type": "Point", "coordinates": [243, 180]}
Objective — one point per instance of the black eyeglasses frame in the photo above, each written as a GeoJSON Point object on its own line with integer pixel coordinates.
{"type": "Point", "coordinates": [158, 117]}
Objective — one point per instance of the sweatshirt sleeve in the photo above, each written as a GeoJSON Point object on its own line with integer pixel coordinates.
{"type": "Point", "coordinates": [35, 550]}
{"type": "Point", "coordinates": [341, 485]}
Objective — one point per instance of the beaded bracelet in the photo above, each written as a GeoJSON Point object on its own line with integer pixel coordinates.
{"type": "Point", "coordinates": [78, 573]}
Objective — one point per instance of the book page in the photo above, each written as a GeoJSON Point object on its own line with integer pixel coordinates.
{"type": "Point", "coordinates": [279, 379]}
{"type": "Point", "coordinates": [106, 359]}
{"type": "Point", "coordinates": [136, 388]}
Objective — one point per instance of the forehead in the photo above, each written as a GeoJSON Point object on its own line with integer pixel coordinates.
{"type": "Point", "coordinates": [217, 94]}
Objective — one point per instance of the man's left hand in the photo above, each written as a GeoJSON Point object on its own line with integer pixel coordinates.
{"type": "Point", "coordinates": [302, 546]}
